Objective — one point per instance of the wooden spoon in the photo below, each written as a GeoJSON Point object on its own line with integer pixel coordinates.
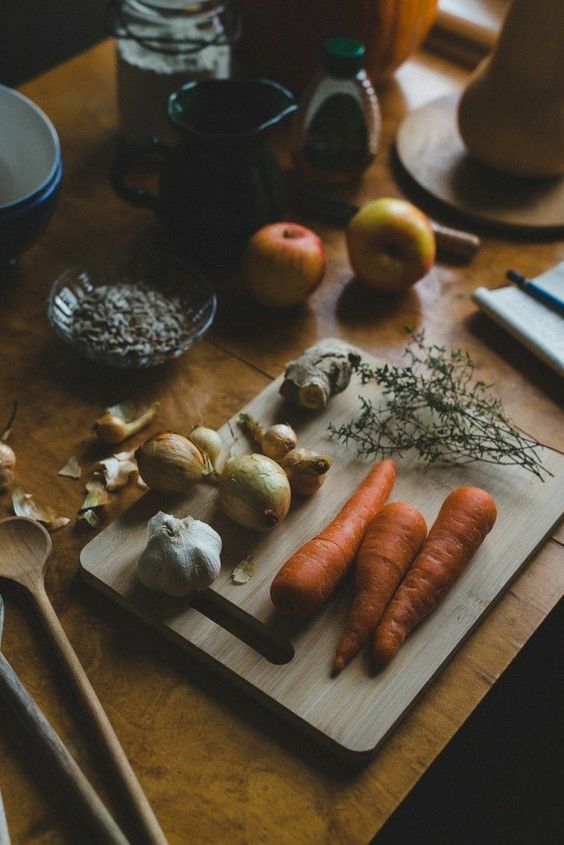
{"type": "Point", "coordinates": [25, 547]}
{"type": "Point", "coordinates": [4, 835]}
{"type": "Point", "coordinates": [40, 730]}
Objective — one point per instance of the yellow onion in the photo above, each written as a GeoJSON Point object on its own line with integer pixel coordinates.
{"type": "Point", "coordinates": [275, 442]}
{"type": "Point", "coordinates": [254, 491]}
{"type": "Point", "coordinates": [170, 463]}
{"type": "Point", "coordinates": [306, 470]}
{"type": "Point", "coordinates": [120, 422]}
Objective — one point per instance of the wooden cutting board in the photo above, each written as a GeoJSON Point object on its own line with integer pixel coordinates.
{"type": "Point", "coordinates": [234, 626]}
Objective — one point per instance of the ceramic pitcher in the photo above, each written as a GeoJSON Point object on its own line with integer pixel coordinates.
{"type": "Point", "coordinates": [221, 181]}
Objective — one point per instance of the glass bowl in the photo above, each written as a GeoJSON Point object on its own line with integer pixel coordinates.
{"type": "Point", "coordinates": [140, 314]}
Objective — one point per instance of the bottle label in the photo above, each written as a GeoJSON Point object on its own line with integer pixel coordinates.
{"type": "Point", "coordinates": [337, 136]}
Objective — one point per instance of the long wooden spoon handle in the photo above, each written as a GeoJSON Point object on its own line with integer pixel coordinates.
{"type": "Point", "coordinates": [111, 744]}
{"type": "Point", "coordinates": [39, 729]}
{"type": "Point", "coordinates": [4, 835]}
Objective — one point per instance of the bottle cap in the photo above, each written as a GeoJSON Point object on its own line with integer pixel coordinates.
{"type": "Point", "coordinates": [343, 56]}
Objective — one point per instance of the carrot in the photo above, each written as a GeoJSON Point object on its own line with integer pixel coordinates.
{"type": "Point", "coordinates": [466, 516]}
{"type": "Point", "coordinates": [310, 575]}
{"type": "Point", "coordinates": [392, 540]}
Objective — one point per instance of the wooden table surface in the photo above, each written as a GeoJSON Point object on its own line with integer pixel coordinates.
{"type": "Point", "coordinates": [215, 764]}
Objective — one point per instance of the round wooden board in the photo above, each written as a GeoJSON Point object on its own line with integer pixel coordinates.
{"type": "Point", "coordinates": [431, 150]}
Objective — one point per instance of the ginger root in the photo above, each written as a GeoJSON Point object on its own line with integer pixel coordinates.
{"type": "Point", "coordinates": [320, 372]}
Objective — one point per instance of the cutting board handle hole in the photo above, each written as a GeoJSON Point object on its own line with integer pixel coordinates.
{"type": "Point", "coordinates": [274, 647]}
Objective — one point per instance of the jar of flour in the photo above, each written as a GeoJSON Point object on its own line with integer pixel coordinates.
{"type": "Point", "coordinates": [162, 44]}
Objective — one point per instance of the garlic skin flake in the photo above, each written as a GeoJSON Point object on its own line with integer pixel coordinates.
{"type": "Point", "coordinates": [182, 556]}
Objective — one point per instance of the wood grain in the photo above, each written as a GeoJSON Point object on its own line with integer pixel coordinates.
{"type": "Point", "coordinates": [211, 760]}
{"type": "Point", "coordinates": [25, 547]}
{"type": "Point", "coordinates": [431, 150]}
{"type": "Point", "coordinates": [354, 712]}
{"type": "Point", "coordinates": [54, 751]}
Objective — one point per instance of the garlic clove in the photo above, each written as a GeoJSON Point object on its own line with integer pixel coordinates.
{"type": "Point", "coordinates": [209, 441]}
{"type": "Point", "coordinates": [182, 556]}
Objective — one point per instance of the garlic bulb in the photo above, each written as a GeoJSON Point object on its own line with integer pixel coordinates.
{"type": "Point", "coordinates": [209, 441]}
{"type": "Point", "coordinates": [182, 556]}
{"type": "Point", "coordinates": [170, 463]}
{"type": "Point", "coordinates": [7, 466]}
{"type": "Point", "coordinates": [254, 491]}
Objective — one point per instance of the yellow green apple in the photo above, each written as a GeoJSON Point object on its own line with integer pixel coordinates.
{"type": "Point", "coordinates": [391, 244]}
{"type": "Point", "coordinates": [283, 264]}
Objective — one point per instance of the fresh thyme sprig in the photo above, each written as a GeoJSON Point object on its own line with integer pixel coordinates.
{"type": "Point", "coordinates": [434, 405]}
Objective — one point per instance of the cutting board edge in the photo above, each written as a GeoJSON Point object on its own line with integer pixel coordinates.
{"type": "Point", "coordinates": [340, 749]}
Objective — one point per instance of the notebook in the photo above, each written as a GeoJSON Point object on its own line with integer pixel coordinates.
{"type": "Point", "coordinates": [535, 325]}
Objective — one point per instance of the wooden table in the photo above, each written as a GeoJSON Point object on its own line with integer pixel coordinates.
{"type": "Point", "coordinates": [215, 765]}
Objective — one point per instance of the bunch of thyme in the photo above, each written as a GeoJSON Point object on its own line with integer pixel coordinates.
{"type": "Point", "coordinates": [433, 405]}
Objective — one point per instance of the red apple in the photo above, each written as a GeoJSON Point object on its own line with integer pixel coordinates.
{"type": "Point", "coordinates": [391, 244]}
{"type": "Point", "coordinates": [283, 264]}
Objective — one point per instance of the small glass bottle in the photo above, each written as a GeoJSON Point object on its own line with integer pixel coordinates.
{"type": "Point", "coordinates": [337, 128]}
{"type": "Point", "coordinates": [161, 45]}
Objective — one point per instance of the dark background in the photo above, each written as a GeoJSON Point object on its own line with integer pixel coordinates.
{"type": "Point", "coordinates": [36, 34]}
{"type": "Point", "coordinates": [501, 779]}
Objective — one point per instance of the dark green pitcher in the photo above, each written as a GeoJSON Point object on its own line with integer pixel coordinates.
{"type": "Point", "coordinates": [221, 181]}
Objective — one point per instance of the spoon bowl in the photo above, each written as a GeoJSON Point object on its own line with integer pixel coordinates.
{"type": "Point", "coordinates": [25, 547]}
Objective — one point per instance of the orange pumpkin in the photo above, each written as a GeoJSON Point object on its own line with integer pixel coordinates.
{"type": "Point", "coordinates": [283, 39]}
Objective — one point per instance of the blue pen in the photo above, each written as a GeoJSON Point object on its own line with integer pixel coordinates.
{"type": "Point", "coordinates": [539, 293]}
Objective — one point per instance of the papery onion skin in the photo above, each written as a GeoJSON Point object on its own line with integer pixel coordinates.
{"type": "Point", "coordinates": [255, 492]}
{"type": "Point", "coordinates": [170, 463]}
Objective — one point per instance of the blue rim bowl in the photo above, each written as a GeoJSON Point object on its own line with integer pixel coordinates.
{"type": "Point", "coordinates": [31, 170]}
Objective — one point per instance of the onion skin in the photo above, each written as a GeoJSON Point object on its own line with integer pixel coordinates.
{"type": "Point", "coordinates": [255, 492]}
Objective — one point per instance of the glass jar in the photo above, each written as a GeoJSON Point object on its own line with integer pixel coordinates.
{"type": "Point", "coordinates": [161, 45]}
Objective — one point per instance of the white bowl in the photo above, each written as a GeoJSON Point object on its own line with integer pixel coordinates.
{"type": "Point", "coordinates": [30, 154]}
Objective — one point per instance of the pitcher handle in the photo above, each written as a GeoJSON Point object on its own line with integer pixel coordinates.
{"type": "Point", "coordinates": [126, 156]}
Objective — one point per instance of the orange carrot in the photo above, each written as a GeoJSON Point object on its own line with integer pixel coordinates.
{"type": "Point", "coordinates": [308, 578]}
{"type": "Point", "coordinates": [466, 516]}
{"type": "Point", "coordinates": [392, 540]}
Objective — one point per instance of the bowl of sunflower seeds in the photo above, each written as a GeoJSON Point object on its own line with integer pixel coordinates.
{"type": "Point", "coordinates": [140, 314]}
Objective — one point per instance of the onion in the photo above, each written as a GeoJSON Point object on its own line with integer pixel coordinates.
{"type": "Point", "coordinates": [275, 442]}
{"type": "Point", "coordinates": [306, 470]}
{"type": "Point", "coordinates": [170, 463]}
{"type": "Point", "coordinates": [254, 491]}
{"type": "Point", "coordinates": [7, 466]}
